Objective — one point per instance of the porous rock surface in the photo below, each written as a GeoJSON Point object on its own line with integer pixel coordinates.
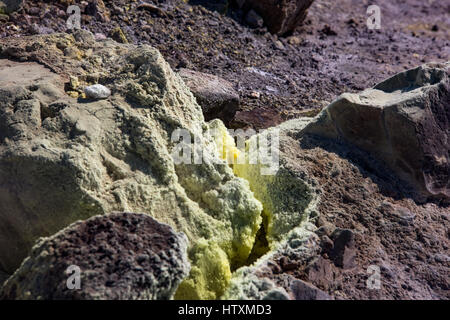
{"type": "Point", "coordinates": [63, 158]}
{"type": "Point", "coordinates": [119, 256]}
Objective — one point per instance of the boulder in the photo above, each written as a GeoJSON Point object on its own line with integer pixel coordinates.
{"type": "Point", "coordinates": [343, 252]}
{"type": "Point", "coordinates": [8, 6]}
{"type": "Point", "coordinates": [215, 95]}
{"type": "Point", "coordinates": [253, 19]}
{"type": "Point", "coordinates": [403, 121]}
{"type": "Point", "coordinates": [118, 256]}
{"type": "Point", "coordinates": [282, 16]}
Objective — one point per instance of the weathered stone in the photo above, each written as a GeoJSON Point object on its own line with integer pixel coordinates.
{"type": "Point", "coordinates": [283, 16]}
{"type": "Point", "coordinates": [299, 245]}
{"type": "Point", "coordinates": [343, 252]}
{"type": "Point", "coordinates": [119, 256]}
{"type": "Point", "coordinates": [3, 277]}
{"type": "Point", "coordinates": [321, 272]}
{"type": "Point", "coordinates": [306, 291]}
{"type": "Point", "coordinates": [247, 286]}
{"type": "Point", "coordinates": [253, 19]}
{"type": "Point", "coordinates": [402, 214]}
{"type": "Point", "coordinates": [403, 121]}
{"type": "Point", "coordinates": [215, 95]}
{"type": "Point", "coordinates": [97, 91]}
{"type": "Point", "coordinates": [99, 37]}
{"type": "Point", "coordinates": [220, 6]}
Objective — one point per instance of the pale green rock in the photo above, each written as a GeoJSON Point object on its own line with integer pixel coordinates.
{"type": "Point", "coordinates": [83, 158]}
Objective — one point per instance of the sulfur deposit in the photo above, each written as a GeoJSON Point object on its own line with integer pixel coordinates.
{"type": "Point", "coordinates": [117, 256]}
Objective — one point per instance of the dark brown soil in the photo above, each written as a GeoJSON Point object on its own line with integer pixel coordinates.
{"type": "Point", "coordinates": [277, 78]}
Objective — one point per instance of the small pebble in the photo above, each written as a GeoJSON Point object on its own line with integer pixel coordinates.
{"type": "Point", "coordinates": [97, 91]}
{"type": "Point", "coordinates": [255, 94]}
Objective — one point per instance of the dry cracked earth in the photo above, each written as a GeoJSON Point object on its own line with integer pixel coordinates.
{"type": "Point", "coordinates": [377, 183]}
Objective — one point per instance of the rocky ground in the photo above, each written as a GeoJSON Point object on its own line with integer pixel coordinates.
{"type": "Point", "coordinates": [409, 242]}
{"type": "Point", "coordinates": [370, 186]}
{"type": "Point", "coordinates": [278, 78]}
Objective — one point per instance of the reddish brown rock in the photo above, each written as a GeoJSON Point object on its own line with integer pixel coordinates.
{"type": "Point", "coordinates": [119, 256]}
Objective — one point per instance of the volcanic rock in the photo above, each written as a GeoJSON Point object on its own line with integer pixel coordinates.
{"type": "Point", "coordinates": [403, 121]}
{"type": "Point", "coordinates": [119, 256]}
{"type": "Point", "coordinates": [64, 159]}
{"type": "Point", "coordinates": [8, 6]}
{"type": "Point", "coordinates": [283, 16]}
{"type": "Point", "coordinates": [254, 20]}
{"type": "Point", "coordinates": [306, 291]}
{"type": "Point", "coordinates": [215, 95]}
{"type": "Point", "coordinates": [343, 251]}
